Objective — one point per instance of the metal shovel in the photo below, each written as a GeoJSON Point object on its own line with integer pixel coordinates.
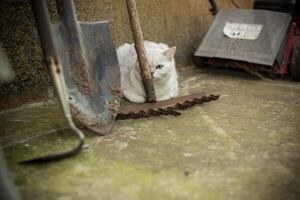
{"type": "Point", "coordinates": [84, 69]}
{"type": "Point", "coordinates": [90, 65]}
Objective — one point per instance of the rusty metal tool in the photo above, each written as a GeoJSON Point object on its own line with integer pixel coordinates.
{"type": "Point", "coordinates": [90, 65]}
{"type": "Point", "coordinates": [152, 107]}
{"type": "Point", "coordinates": [83, 65]}
{"type": "Point", "coordinates": [167, 107]}
{"type": "Point", "coordinates": [92, 72]}
{"type": "Point", "coordinates": [57, 75]}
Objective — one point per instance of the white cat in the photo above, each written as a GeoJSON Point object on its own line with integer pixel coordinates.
{"type": "Point", "coordinates": [162, 64]}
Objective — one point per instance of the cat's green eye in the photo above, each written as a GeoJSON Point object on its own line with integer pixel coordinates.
{"type": "Point", "coordinates": [159, 66]}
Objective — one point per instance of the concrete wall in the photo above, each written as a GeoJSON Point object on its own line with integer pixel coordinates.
{"type": "Point", "coordinates": [176, 22]}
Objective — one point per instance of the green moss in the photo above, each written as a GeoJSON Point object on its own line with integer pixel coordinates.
{"type": "Point", "coordinates": [239, 147]}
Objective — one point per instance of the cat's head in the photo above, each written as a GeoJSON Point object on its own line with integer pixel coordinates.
{"type": "Point", "coordinates": [162, 63]}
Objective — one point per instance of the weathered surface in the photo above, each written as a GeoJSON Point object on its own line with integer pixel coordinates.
{"type": "Point", "coordinates": [264, 50]}
{"type": "Point", "coordinates": [179, 23]}
{"type": "Point", "coordinates": [166, 107]}
{"type": "Point", "coordinates": [246, 145]}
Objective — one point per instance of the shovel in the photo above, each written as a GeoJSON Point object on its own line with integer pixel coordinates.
{"type": "Point", "coordinates": [91, 71]}
{"type": "Point", "coordinates": [83, 65]}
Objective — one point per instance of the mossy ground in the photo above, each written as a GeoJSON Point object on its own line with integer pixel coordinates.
{"type": "Point", "coordinates": [246, 145]}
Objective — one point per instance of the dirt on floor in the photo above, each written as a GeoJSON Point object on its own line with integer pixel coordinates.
{"type": "Point", "coordinates": [246, 145]}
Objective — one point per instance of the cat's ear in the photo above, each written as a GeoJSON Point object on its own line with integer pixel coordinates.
{"type": "Point", "coordinates": [170, 53]}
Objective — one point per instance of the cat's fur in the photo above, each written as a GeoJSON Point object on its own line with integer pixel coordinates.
{"type": "Point", "coordinates": [162, 64]}
{"type": "Point", "coordinates": [6, 71]}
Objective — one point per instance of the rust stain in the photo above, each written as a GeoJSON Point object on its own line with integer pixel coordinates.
{"type": "Point", "coordinates": [80, 117]}
{"type": "Point", "coordinates": [81, 72]}
{"type": "Point", "coordinates": [113, 105]}
{"type": "Point", "coordinates": [167, 107]}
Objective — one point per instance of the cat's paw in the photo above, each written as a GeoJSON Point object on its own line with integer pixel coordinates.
{"type": "Point", "coordinates": [134, 98]}
{"type": "Point", "coordinates": [175, 93]}
{"type": "Point", "coordinates": [165, 97]}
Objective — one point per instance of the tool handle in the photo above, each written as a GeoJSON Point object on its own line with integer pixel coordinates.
{"type": "Point", "coordinates": [140, 50]}
{"type": "Point", "coordinates": [43, 23]}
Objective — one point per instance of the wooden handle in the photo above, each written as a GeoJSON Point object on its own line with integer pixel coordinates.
{"type": "Point", "coordinates": [140, 50]}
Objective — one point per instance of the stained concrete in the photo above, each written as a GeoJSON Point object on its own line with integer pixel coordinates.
{"type": "Point", "coordinates": [246, 145]}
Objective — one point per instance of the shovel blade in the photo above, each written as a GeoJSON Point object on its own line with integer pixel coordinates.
{"type": "Point", "coordinates": [93, 87]}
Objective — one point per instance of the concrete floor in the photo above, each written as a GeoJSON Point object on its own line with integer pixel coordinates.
{"type": "Point", "coordinates": [246, 145]}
